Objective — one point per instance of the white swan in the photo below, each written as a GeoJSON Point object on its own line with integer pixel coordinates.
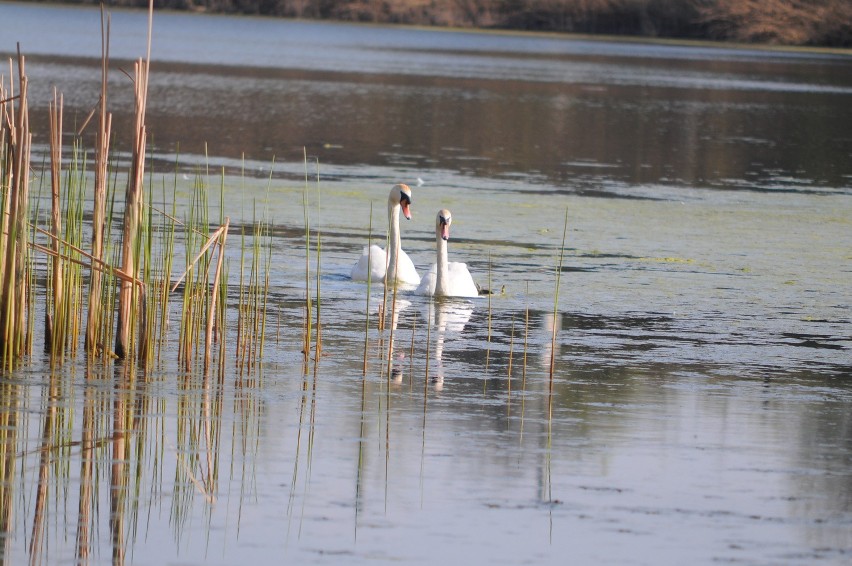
{"type": "Point", "coordinates": [377, 264]}
{"type": "Point", "coordinates": [447, 279]}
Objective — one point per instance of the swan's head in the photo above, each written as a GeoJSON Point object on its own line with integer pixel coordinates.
{"type": "Point", "coordinates": [400, 195]}
{"type": "Point", "coordinates": [442, 224]}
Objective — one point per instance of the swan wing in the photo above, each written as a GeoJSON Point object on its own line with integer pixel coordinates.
{"type": "Point", "coordinates": [406, 272]}
{"type": "Point", "coordinates": [427, 284]}
{"type": "Point", "coordinates": [372, 262]}
{"type": "Point", "coordinates": [461, 281]}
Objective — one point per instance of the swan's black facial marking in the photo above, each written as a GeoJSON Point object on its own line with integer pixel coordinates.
{"type": "Point", "coordinates": [445, 220]}
{"type": "Point", "coordinates": [405, 203]}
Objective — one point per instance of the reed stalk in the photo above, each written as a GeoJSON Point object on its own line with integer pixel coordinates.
{"type": "Point", "coordinates": [133, 207]}
{"type": "Point", "coordinates": [167, 247]}
{"type": "Point", "coordinates": [556, 299]}
{"type": "Point", "coordinates": [241, 307]}
{"type": "Point", "coordinates": [393, 315]}
{"type": "Point", "coordinates": [306, 345]}
{"type": "Point", "coordinates": [524, 371]}
{"type": "Point", "coordinates": [369, 282]}
{"type": "Point", "coordinates": [211, 315]}
{"type": "Point", "coordinates": [267, 233]}
{"type": "Point", "coordinates": [488, 338]}
{"type": "Point", "coordinates": [13, 276]}
{"type": "Point", "coordinates": [511, 351]}
{"type": "Point", "coordinates": [73, 240]}
{"type": "Point", "coordinates": [318, 340]}
{"type": "Point", "coordinates": [526, 335]}
{"type": "Point", "coordinates": [128, 300]}
{"type": "Point", "coordinates": [256, 296]}
{"type": "Point", "coordinates": [428, 336]}
{"type": "Point", "coordinates": [95, 322]}
{"type": "Point", "coordinates": [54, 340]}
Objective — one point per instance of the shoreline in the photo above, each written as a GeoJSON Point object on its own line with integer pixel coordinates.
{"type": "Point", "coordinates": [688, 26]}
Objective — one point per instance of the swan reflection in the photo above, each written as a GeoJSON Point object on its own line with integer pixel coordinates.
{"type": "Point", "coordinates": [396, 357]}
{"type": "Point", "coordinates": [447, 318]}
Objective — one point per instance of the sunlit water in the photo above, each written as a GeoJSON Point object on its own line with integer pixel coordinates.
{"type": "Point", "coordinates": [700, 404]}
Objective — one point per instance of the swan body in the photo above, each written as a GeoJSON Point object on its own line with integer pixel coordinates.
{"type": "Point", "coordinates": [379, 265]}
{"type": "Point", "coordinates": [370, 265]}
{"type": "Point", "coordinates": [447, 279]}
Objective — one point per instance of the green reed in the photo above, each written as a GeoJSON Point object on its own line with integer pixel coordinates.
{"type": "Point", "coordinates": [369, 283]}
{"type": "Point", "coordinates": [556, 299]}
{"type": "Point", "coordinates": [54, 313]}
{"type": "Point", "coordinates": [318, 340]}
{"type": "Point", "coordinates": [14, 236]}
{"type": "Point", "coordinates": [253, 294]}
{"type": "Point", "coordinates": [488, 338]}
{"type": "Point", "coordinates": [95, 339]}
{"type": "Point", "coordinates": [195, 290]}
{"type": "Point", "coordinates": [160, 289]}
{"type": "Point", "coordinates": [308, 318]}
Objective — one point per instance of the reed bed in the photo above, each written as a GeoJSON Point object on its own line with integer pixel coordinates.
{"type": "Point", "coordinates": [122, 284]}
{"type": "Point", "coordinates": [14, 276]}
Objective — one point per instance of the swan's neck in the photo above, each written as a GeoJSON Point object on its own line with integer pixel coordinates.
{"type": "Point", "coordinates": [394, 243]}
{"type": "Point", "coordinates": [442, 279]}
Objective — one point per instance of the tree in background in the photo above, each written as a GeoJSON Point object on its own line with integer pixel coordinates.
{"type": "Point", "coordinates": [786, 22]}
{"type": "Point", "coordinates": [789, 22]}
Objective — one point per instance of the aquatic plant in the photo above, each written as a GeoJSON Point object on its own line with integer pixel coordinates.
{"type": "Point", "coordinates": [556, 298]}
{"type": "Point", "coordinates": [17, 143]}
{"type": "Point", "coordinates": [94, 327]}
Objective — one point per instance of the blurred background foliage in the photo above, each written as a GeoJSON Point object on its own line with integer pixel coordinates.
{"type": "Point", "coordinates": [776, 22]}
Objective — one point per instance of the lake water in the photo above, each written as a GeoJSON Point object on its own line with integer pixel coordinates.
{"type": "Point", "coordinates": [700, 409]}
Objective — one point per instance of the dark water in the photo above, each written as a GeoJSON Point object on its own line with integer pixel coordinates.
{"type": "Point", "coordinates": [700, 406]}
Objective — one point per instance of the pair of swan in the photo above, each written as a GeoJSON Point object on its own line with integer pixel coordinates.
{"type": "Point", "coordinates": [445, 279]}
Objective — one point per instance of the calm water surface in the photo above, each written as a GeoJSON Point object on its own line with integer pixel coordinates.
{"type": "Point", "coordinates": [700, 410]}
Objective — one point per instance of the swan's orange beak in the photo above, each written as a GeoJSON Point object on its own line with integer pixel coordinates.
{"type": "Point", "coordinates": [445, 231]}
{"type": "Point", "coordinates": [405, 204]}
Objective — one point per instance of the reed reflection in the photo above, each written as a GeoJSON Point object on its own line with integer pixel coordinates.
{"type": "Point", "coordinates": [396, 357]}
{"type": "Point", "coordinates": [124, 440]}
{"type": "Point", "coordinates": [9, 395]}
{"type": "Point", "coordinates": [85, 518]}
